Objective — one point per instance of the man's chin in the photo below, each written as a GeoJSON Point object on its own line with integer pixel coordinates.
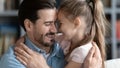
{"type": "Point", "coordinates": [48, 44]}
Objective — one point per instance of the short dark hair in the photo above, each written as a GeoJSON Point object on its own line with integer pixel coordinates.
{"type": "Point", "coordinates": [28, 9]}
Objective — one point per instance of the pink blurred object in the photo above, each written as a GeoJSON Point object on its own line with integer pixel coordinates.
{"type": "Point", "coordinates": [118, 29]}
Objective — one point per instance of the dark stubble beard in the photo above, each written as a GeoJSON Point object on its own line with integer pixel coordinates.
{"type": "Point", "coordinates": [45, 43]}
{"type": "Point", "coordinates": [48, 44]}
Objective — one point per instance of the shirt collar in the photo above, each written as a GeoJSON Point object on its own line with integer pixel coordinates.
{"type": "Point", "coordinates": [32, 46]}
{"type": "Point", "coordinates": [57, 51]}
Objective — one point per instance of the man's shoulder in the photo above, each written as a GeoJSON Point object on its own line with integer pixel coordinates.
{"type": "Point", "coordinates": [8, 60]}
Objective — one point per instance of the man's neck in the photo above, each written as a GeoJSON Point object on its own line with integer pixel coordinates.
{"type": "Point", "coordinates": [47, 49]}
{"type": "Point", "coordinates": [40, 46]}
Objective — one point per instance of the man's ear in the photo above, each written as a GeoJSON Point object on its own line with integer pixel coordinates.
{"type": "Point", "coordinates": [77, 22]}
{"type": "Point", "coordinates": [28, 24]}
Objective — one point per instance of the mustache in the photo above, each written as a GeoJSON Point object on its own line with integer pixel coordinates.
{"type": "Point", "coordinates": [51, 33]}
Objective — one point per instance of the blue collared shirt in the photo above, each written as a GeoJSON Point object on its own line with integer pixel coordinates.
{"type": "Point", "coordinates": [55, 58]}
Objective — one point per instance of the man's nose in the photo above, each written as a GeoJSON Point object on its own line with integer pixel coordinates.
{"type": "Point", "coordinates": [53, 28]}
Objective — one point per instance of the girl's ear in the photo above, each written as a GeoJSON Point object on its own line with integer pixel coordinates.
{"type": "Point", "coordinates": [28, 24]}
{"type": "Point", "coordinates": [77, 22]}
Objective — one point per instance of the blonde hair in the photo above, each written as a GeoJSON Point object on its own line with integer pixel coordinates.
{"type": "Point", "coordinates": [95, 19]}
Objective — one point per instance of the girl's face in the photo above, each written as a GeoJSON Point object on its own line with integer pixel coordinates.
{"type": "Point", "coordinates": [67, 26]}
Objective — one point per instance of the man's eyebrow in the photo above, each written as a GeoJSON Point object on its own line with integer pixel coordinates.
{"type": "Point", "coordinates": [49, 21]}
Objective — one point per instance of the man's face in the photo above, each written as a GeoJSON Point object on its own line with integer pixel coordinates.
{"type": "Point", "coordinates": [43, 31]}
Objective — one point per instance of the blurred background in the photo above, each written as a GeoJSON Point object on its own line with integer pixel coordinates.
{"type": "Point", "coordinates": [10, 31]}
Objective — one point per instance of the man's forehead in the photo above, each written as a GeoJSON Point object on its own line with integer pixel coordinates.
{"type": "Point", "coordinates": [47, 14]}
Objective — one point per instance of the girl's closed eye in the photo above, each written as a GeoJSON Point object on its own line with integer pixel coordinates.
{"type": "Point", "coordinates": [59, 23]}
